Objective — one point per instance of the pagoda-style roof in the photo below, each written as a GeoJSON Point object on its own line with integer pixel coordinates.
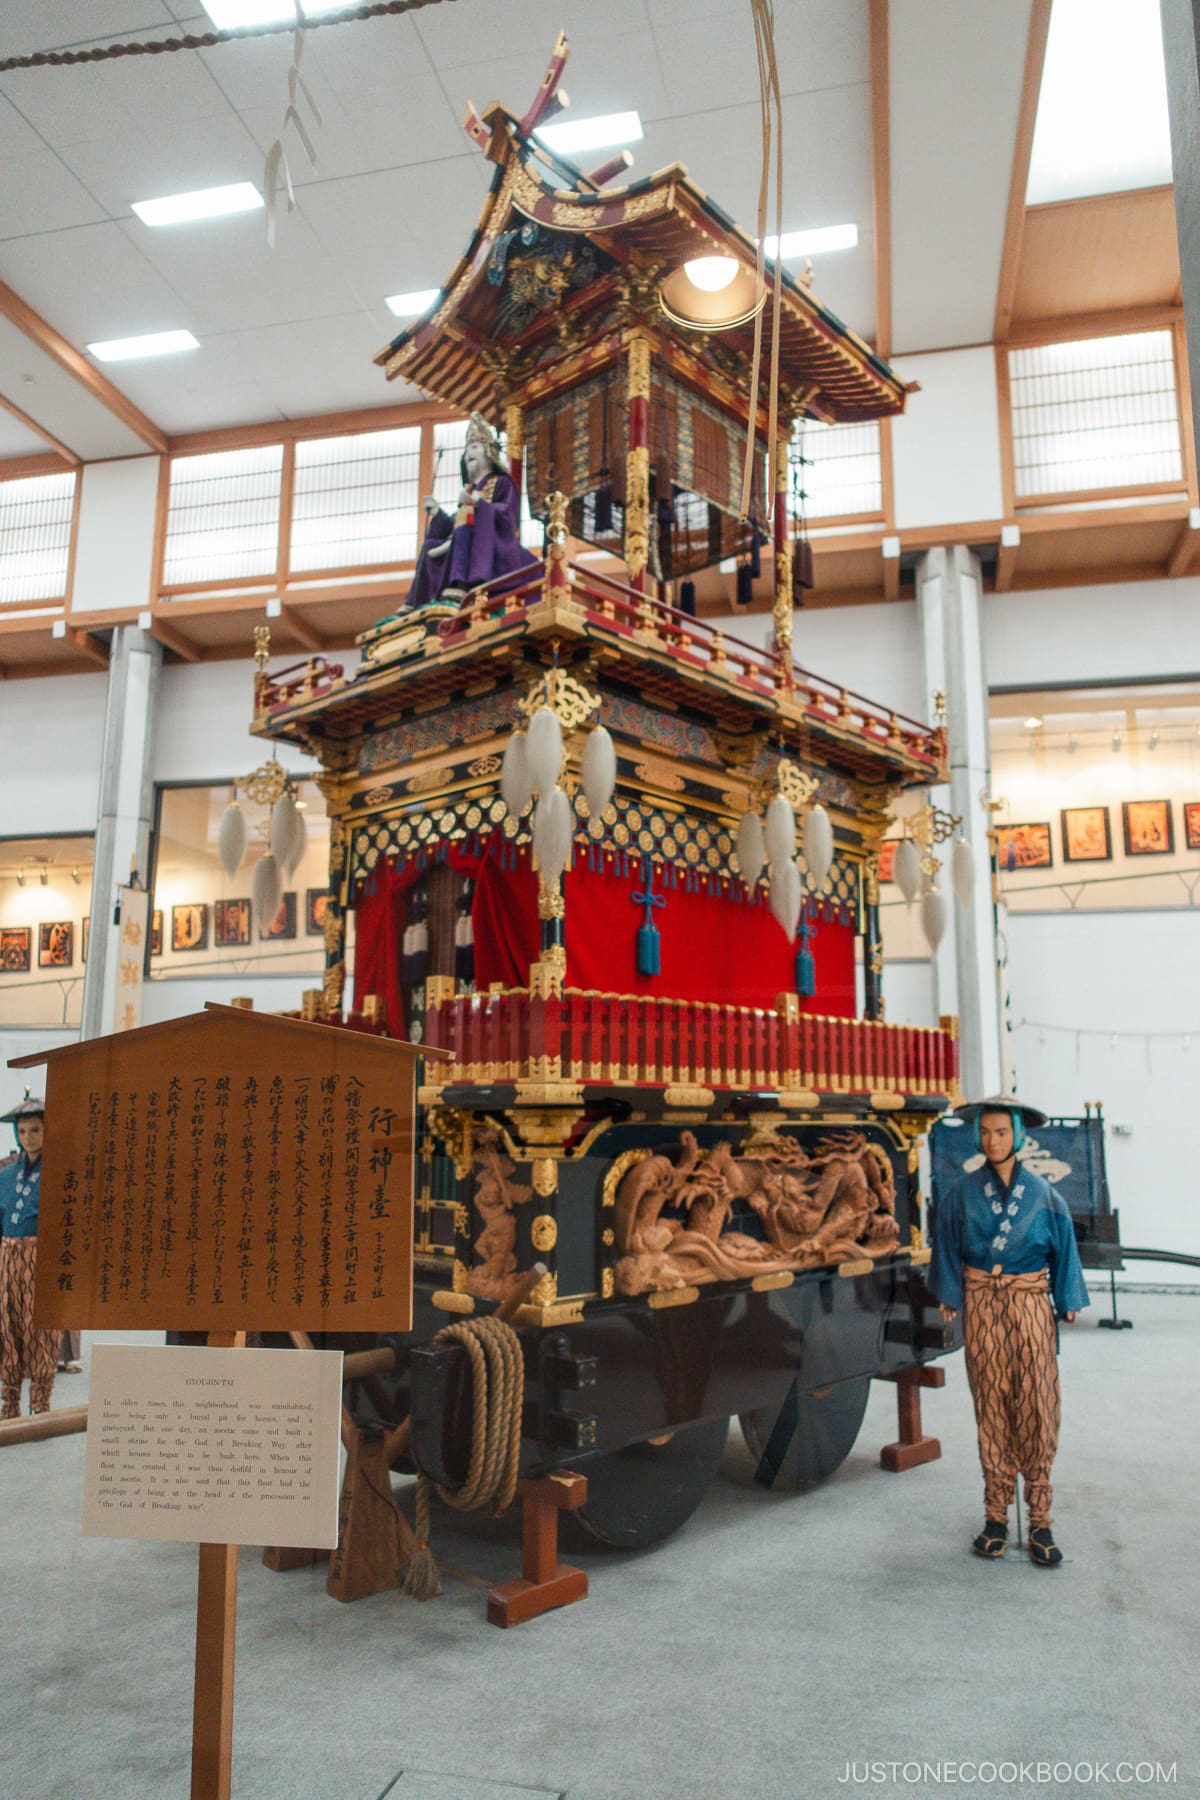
{"type": "Point", "coordinates": [596, 252]}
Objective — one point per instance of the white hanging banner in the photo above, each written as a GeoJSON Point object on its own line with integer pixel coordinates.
{"type": "Point", "coordinates": [131, 958]}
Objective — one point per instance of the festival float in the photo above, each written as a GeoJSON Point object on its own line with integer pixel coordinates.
{"type": "Point", "coordinates": [615, 865]}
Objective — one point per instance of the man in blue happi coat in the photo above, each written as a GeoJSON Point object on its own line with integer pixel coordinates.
{"type": "Point", "coordinates": [26, 1351]}
{"type": "Point", "coordinates": [1004, 1252]}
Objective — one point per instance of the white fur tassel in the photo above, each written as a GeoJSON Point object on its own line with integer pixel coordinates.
{"type": "Point", "coordinates": [786, 890]}
{"type": "Point", "coordinates": [751, 849]}
{"type": "Point", "coordinates": [907, 869]}
{"type": "Point", "coordinates": [553, 824]}
{"type": "Point", "coordinates": [267, 891]}
{"type": "Point", "coordinates": [231, 837]}
{"type": "Point", "coordinates": [780, 831]}
{"type": "Point", "coordinates": [298, 845]}
{"type": "Point", "coordinates": [543, 750]}
{"type": "Point", "coordinates": [515, 785]}
{"type": "Point", "coordinates": [283, 827]}
{"type": "Point", "coordinates": [598, 770]}
{"type": "Point", "coordinates": [818, 846]}
{"type": "Point", "coordinates": [933, 917]}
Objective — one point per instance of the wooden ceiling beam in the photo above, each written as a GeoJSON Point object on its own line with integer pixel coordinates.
{"type": "Point", "coordinates": [69, 359]}
{"type": "Point", "coordinates": [1014, 227]}
{"type": "Point", "coordinates": [1076, 327]}
{"type": "Point", "coordinates": [172, 639]}
{"type": "Point", "coordinates": [61, 452]}
{"type": "Point", "coordinates": [299, 627]}
{"type": "Point", "coordinates": [1187, 544]}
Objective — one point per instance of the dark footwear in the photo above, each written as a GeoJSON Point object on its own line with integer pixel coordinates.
{"type": "Point", "coordinates": [1042, 1548]}
{"type": "Point", "coordinates": [993, 1539]}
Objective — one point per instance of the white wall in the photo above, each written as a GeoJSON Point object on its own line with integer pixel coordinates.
{"type": "Point", "coordinates": [1125, 974]}
{"type": "Point", "coordinates": [115, 551]}
{"type": "Point", "coordinates": [873, 650]}
{"type": "Point", "coordinates": [1123, 631]}
{"type": "Point", "coordinates": [204, 716]}
{"type": "Point", "coordinates": [947, 445]}
{"type": "Point", "coordinates": [51, 733]}
{"type": "Point", "coordinates": [13, 1082]}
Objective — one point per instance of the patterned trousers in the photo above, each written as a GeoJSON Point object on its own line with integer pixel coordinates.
{"type": "Point", "coordinates": [24, 1351]}
{"type": "Point", "coordinates": [1012, 1366]}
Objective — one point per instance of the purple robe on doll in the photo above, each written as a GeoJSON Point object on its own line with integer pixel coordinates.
{"type": "Point", "coordinates": [490, 546]}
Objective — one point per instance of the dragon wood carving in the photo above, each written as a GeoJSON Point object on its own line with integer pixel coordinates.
{"type": "Point", "coordinates": [835, 1203]}
{"type": "Point", "coordinates": [495, 1196]}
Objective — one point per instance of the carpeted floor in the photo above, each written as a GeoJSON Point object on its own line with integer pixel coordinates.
{"type": "Point", "coordinates": [770, 1651]}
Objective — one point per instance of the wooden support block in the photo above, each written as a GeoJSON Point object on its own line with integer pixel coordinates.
{"type": "Point", "coordinates": [374, 1539]}
{"type": "Point", "coordinates": [544, 1582]}
{"type": "Point", "coordinates": [929, 1375]}
{"type": "Point", "coordinates": [912, 1446]}
{"type": "Point", "coordinates": [281, 1557]}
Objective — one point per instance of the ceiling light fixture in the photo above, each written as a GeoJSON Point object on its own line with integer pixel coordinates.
{"type": "Point", "coordinates": [712, 274]}
{"type": "Point", "coordinates": [20, 878]}
{"type": "Point", "coordinates": [1154, 740]}
{"type": "Point", "coordinates": [238, 15]}
{"type": "Point", "coordinates": [410, 306]}
{"type": "Point", "coordinates": [1072, 744]}
{"type": "Point", "coordinates": [75, 876]}
{"type": "Point", "coordinates": [817, 242]}
{"type": "Point", "coordinates": [43, 877]}
{"type": "Point", "coordinates": [1032, 722]}
{"type": "Point", "coordinates": [1116, 740]}
{"type": "Point", "coordinates": [605, 131]}
{"type": "Point", "coordinates": [202, 203]}
{"type": "Point", "coordinates": [152, 343]}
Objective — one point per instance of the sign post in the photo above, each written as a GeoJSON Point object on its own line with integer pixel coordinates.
{"type": "Point", "coordinates": [226, 1172]}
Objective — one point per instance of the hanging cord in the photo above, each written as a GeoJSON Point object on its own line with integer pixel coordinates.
{"type": "Point", "coordinates": [770, 102]}
{"type": "Point", "coordinates": [207, 40]}
{"type": "Point", "coordinates": [498, 1389]}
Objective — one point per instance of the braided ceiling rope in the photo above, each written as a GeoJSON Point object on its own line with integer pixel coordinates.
{"type": "Point", "coordinates": [54, 59]}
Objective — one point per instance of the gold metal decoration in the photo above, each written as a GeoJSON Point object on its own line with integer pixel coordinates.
{"type": "Point", "coordinates": [484, 765]}
{"type": "Point", "coordinates": [266, 784]}
{"type": "Point", "coordinates": [545, 1176]}
{"type": "Point", "coordinates": [563, 694]}
{"type": "Point", "coordinates": [797, 786]}
{"type": "Point", "coordinates": [637, 510]}
{"type": "Point", "coordinates": [262, 647]}
{"type": "Point", "coordinates": [543, 1232]}
{"type": "Point", "coordinates": [930, 825]}
{"type": "Point", "coordinates": [514, 430]}
{"type": "Point", "coordinates": [607, 1284]}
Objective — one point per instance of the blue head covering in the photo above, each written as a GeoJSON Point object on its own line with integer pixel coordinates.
{"type": "Point", "coordinates": [1022, 1116]}
{"type": "Point", "coordinates": [30, 1108]}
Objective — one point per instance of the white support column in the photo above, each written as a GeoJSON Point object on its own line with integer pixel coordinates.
{"type": "Point", "coordinates": [949, 590]}
{"type": "Point", "coordinates": [123, 822]}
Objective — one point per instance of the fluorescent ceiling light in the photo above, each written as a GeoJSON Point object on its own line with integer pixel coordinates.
{"type": "Point", "coordinates": [409, 306]}
{"type": "Point", "coordinates": [817, 242]}
{"type": "Point", "coordinates": [1032, 722]}
{"type": "Point", "coordinates": [608, 130]}
{"type": "Point", "coordinates": [1102, 124]}
{"type": "Point", "coordinates": [233, 15]}
{"type": "Point", "coordinates": [204, 203]}
{"type": "Point", "coordinates": [153, 343]}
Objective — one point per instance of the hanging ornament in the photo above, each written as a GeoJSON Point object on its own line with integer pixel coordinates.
{"type": "Point", "coordinates": [786, 890]}
{"type": "Point", "coordinates": [298, 845]}
{"type": "Point", "coordinates": [598, 770]}
{"type": "Point", "coordinates": [818, 846]}
{"type": "Point", "coordinates": [933, 917]}
{"type": "Point", "coordinates": [780, 831]}
{"type": "Point", "coordinates": [283, 827]}
{"type": "Point", "coordinates": [806, 968]}
{"type": "Point", "coordinates": [649, 957]}
{"type": "Point", "coordinates": [962, 871]}
{"type": "Point", "coordinates": [231, 837]}
{"type": "Point", "coordinates": [515, 784]}
{"type": "Point", "coordinates": [906, 869]}
{"type": "Point", "coordinates": [751, 849]}
{"type": "Point", "coordinates": [267, 890]}
{"type": "Point", "coordinates": [552, 824]}
{"type": "Point", "coordinates": [543, 750]}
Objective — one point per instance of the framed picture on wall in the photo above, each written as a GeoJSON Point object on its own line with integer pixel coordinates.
{"type": "Point", "coordinates": [1086, 836]}
{"type": "Point", "coordinates": [156, 930]}
{"type": "Point", "coordinates": [56, 944]}
{"type": "Point", "coordinates": [316, 902]}
{"type": "Point", "coordinates": [232, 924]}
{"type": "Point", "coordinates": [1149, 829]}
{"type": "Point", "coordinates": [16, 948]}
{"type": "Point", "coordinates": [887, 859]}
{"type": "Point", "coordinates": [283, 925]}
{"type": "Point", "coordinates": [1024, 846]}
{"type": "Point", "coordinates": [83, 936]}
{"type": "Point", "coordinates": [189, 927]}
{"type": "Point", "coordinates": [1191, 824]}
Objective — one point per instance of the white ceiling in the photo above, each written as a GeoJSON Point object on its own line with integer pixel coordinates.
{"type": "Point", "coordinates": [398, 185]}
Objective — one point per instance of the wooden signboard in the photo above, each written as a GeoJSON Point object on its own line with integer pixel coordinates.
{"type": "Point", "coordinates": [228, 1171]}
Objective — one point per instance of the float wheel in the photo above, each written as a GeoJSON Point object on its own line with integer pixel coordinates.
{"type": "Point", "coordinates": [640, 1495]}
{"type": "Point", "coordinates": [810, 1436]}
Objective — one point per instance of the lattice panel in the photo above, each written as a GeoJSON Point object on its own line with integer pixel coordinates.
{"type": "Point", "coordinates": [1102, 413]}
{"type": "Point", "coordinates": [355, 502]}
{"type": "Point", "coordinates": [35, 536]}
{"type": "Point", "coordinates": [841, 472]}
{"type": "Point", "coordinates": [223, 515]}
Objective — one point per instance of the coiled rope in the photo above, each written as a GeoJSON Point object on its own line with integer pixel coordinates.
{"type": "Point", "coordinates": [498, 1386]}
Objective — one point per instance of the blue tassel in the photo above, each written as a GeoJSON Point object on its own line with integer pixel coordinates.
{"type": "Point", "coordinates": [649, 961]}
{"type": "Point", "coordinates": [687, 597]}
{"type": "Point", "coordinates": [745, 585]}
{"type": "Point", "coordinates": [806, 968]}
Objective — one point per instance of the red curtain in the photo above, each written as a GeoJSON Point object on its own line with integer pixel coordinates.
{"type": "Point", "coordinates": [711, 947]}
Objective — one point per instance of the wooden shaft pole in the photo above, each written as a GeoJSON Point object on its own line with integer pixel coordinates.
{"type": "Point", "coordinates": [43, 1425]}
{"type": "Point", "coordinates": [216, 1633]}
